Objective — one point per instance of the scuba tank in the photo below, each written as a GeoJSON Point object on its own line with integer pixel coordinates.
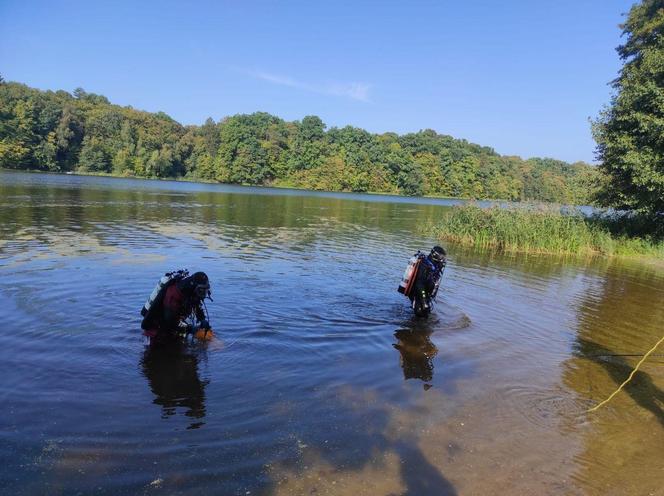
{"type": "Point", "coordinates": [409, 275]}
{"type": "Point", "coordinates": [158, 293]}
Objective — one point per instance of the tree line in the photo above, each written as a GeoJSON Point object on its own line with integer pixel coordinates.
{"type": "Point", "coordinates": [630, 130]}
{"type": "Point", "coordinates": [58, 131]}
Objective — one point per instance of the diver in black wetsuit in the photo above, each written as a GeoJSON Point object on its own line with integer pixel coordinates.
{"type": "Point", "coordinates": [181, 298]}
{"type": "Point", "coordinates": [431, 269]}
{"type": "Point", "coordinates": [426, 283]}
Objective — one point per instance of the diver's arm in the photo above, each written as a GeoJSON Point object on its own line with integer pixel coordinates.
{"type": "Point", "coordinates": [201, 315]}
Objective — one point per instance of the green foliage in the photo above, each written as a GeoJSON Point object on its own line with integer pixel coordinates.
{"type": "Point", "coordinates": [94, 156]}
{"type": "Point", "coordinates": [542, 229]}
{"type": "Point", "coordinates": [82, 131]}
{"type": "Point", "coordinates": [62, 132]}
{"type": "Point", "coordinates": [334, 175]}
{"type": "Point", "coordinates": [307, 150]}
{"type": "Point", "coordinates": [251, 146]}
{"type": "Point", "coordinates": [630, 132]}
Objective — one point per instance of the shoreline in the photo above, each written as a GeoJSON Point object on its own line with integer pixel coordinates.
{"type": "Point", "coordinates": [265, 186]}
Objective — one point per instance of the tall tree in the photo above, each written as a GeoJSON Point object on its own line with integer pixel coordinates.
{"type": "Point", "coordinates": [630, 132]}
{"type": "Point", "coordinates": [307, 146]}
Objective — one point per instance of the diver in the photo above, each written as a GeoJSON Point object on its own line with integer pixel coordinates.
{"type": "Point", "coordinates": [421, 279]}
{"type": "Point", "coordinates": [175, 305]}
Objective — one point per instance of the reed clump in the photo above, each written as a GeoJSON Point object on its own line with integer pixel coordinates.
{"type": "Point", "coordinates": [543, 229]}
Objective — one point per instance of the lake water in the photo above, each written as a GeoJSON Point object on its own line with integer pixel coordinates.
{"type": "Point", "coordinates": [320, 380]}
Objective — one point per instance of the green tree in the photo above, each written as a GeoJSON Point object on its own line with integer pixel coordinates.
{"type": "Point", "coordinates": [68, 137]}
{"type": "Point", "coordinates": [434, 180]}
{"type": "Point", "coordinates": [630, 132]}
{"type": "Point", "coordinates": [406, 172]}
{"type": "Point", "coordinates": [307, 146]}
{"type": "Point", "coordinates": [94, 156]}
{"type": "Point", "coordinates": [59, 131]}
{"type": "Point", "coordinates": [13, 155]}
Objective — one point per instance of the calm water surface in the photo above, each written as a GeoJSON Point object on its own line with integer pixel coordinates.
{"type": "Point", "coordinates": [320, 381]}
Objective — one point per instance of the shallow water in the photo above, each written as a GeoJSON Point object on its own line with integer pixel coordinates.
{"type": "Point", "coordinates": [320, 381]}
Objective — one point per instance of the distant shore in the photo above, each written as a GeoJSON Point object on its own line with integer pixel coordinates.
{"type": "Point", "coordinates": [277, 184]}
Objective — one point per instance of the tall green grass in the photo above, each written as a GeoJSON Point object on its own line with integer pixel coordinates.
{"type": "Point", "coordinates": [542, 229]}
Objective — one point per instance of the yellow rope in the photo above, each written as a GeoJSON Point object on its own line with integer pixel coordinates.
{"type": "Point", "coordinates": [630, 376]}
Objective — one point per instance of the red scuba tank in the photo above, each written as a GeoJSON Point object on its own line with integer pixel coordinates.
{"type": "Point", "coordinates": [406, 284]}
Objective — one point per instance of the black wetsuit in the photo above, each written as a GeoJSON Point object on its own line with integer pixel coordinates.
{"type": "Point", "coordinates": [428, 275]}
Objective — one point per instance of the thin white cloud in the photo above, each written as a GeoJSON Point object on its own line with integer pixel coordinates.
{"type": "Point", "coordinates": [354, 91]}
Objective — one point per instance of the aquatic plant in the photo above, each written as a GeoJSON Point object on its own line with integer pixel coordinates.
{"type": "Point", "coordinates": [543, 229]}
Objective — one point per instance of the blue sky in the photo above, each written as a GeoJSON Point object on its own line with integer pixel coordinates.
{"type": "Point", "coordinates": [520, 76]}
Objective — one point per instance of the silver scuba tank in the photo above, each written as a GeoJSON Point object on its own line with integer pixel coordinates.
{"type": "Point", "coordinates": [163, 282]}
{"type": "Point", "coordinates": [155, 292]}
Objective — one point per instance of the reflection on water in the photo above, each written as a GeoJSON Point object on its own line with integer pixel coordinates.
{"type": "Point", "coordinates": [619, 319]}
{"type": "Point", "coordinates": [417, 353]}
{"type": "Point", "coordinates": [489, 397]}
{"type": "Point", "coordinates": [172, 374]}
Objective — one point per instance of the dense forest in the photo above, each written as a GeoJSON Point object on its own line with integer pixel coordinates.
{"type": "Point", "coordinates": [630, 141]}
{"type": "Point", "coordinates": [58, 131]}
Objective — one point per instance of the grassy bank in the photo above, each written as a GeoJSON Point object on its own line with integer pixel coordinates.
{"type": "Point", "coordinates": [545, 229]}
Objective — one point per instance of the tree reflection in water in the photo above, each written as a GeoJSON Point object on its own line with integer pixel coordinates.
{"type": "Point", "coordinates": [172, 374]}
